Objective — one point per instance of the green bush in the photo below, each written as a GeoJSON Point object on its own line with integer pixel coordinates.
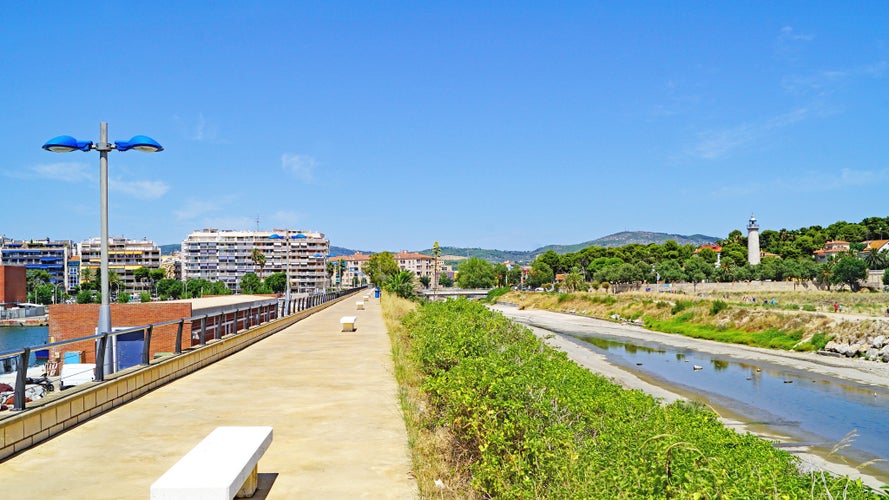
{"type": "Point", "coordinates": [680, 306]}
{"type": "Point", "coordinates": [809, 307]}
{"type": "Point", "coordinates": [526, 422]}
{"type": "Point", "coordinates": [717, 307]}
{"type": "Point", "coordinates": [496, 293]}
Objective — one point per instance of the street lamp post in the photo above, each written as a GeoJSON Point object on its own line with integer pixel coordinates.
{"type": "Point", "coordinates": [66, 144]}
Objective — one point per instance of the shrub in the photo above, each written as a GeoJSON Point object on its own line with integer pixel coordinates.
{"type": "Point", "coordinates": [717, 307]}
{"type": "Point", "coordinates": [680, 306]}
{"type": "Point", "coordinates": [526, 422]}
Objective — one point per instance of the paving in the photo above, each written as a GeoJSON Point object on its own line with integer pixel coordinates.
{"type": "Point", "coordinates": [330, 397]}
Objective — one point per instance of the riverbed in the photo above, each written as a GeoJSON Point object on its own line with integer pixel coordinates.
{"type": "Point", "coordinates": [811, 403]}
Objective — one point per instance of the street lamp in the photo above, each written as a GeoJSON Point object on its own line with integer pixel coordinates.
{"type": "Point", "coordinates": [66, 144]}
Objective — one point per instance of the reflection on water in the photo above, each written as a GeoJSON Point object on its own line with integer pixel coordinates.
{"type": "Point", "coordinates": [805, 406]}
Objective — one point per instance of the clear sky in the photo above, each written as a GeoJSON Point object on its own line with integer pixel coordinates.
{"type": "Point", "coordinates": [390, 125]}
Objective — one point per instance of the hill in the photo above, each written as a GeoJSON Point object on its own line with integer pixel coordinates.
{"type": "Point", "coordinates": [612, 240]}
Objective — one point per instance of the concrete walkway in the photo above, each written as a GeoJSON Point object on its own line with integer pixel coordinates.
{"type": "Point", "coordinates": [330, 396]}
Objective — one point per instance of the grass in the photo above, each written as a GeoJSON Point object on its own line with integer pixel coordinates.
{"type": "Point", "coordinates": [431, 450]}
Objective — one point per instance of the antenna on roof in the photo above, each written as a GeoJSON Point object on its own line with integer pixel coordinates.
{"type": "Point", "coordinates": [257, 223]}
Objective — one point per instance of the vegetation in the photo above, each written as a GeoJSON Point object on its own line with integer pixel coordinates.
{"type": "Point", "coordinates": [475, 273]}
{"type": "Point", "coordinates": [379, 267]}
{"type": "Point", "coordinates": [493, 412]}
{"type": "Point", "coordinates": [401, 284]}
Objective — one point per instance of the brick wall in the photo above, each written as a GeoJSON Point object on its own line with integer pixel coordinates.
{"type": "Point", "coordinates": [71, 321]}
{"type": "Point", "coordinates": [12, 284]}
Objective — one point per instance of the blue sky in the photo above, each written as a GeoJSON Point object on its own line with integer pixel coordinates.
{"type": "Point", "coordinates": [390, 125]}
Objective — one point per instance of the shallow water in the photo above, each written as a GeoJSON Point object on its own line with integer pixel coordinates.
{"type": "Point", "coordinates": [811, 409]}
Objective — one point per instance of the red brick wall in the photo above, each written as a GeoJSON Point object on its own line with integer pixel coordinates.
{"type": "Point", "coordinates": [12, 284]}
{"type": "Point", "coordinates": [70, 321]}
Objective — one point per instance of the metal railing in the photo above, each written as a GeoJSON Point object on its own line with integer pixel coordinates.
{"type": "Point", "coordinates": [222, 325]}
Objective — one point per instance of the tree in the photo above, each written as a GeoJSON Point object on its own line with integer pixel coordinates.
{"type": "Point", "coordinates": [553, 260]}
{"type": "Point", "coordinates": [156, 275]}
{"type": "Point", "coordinates": [475, 273]}
{"type": "Point", "coordinates": [670, 271]}
{"type": "Point", "coordinates": [401, 284]}
{"type": "Point", "coordinates": [425, 281]}
{"type": "Point", "coordinates": [445, 280]}
{"type": "Point", "coordinates": [258, 259]}
{"type": "Point", "coordinates": [849, 270]}
{"type": "Point", "coordinates": [501, 275]}
{"type": "Point", "coordinates": [84, 297]}
{"type": "Point", "coordinates": [277, 282]}
{"type": "Point", "coordinates": [697, 269]}
{"type": "Point", "coordinates": [251, 283]}
{"type": "Point", "coordinates": [379, 267]}
{"type": "Point", "coordinates": [877, 260]}
{"type": "Point", "coordinates": [87, 279]}
{"type": "Point", "coordinates": [145, 297]}
{"type": "Point", "coordinates": [169, 288]}
{"type": "Point", "coordinates": [886, 277]}
{"type": "Point", "coordinates": [541, 274]}
{"type": "Point", "coordinates": [436, 255]}
{"type": "Point", "coordinates": [574, 281]}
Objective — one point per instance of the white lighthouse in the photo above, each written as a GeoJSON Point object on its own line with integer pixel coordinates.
{"type": "Point", "coordinates": [752, 241]}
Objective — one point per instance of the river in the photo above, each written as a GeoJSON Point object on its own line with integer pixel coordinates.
{"type": "Point", "coordinates": [811, 407]}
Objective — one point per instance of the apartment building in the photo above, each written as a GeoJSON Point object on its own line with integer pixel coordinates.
{"type": "Point", "coordinates": [227, 255]}
{"type": "Point", "coordinates": [417, 263]}
{"type": "Point", "coordinates": [350, 272]}
{"type": "Point", "coordinates": [46, 255]}
{"type": "Point", "coordinates": [124, 257]}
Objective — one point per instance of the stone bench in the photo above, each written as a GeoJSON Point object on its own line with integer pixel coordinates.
{"type": "Point", "coordinates": [359, 305]}
{"type": "Point", "coordinates": [348, 323]}
{"type": "Point", "coordinates": [222, 466]}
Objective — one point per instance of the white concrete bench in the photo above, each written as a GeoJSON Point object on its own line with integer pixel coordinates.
{"type": "Point", "coordinates": [76, 374]}
{"type": "Point", "coordinates": [348, 323]}
{"type": "Point", "coordinates": [221, 467]}
{"type": "Point", "coordinates": [359, 305]}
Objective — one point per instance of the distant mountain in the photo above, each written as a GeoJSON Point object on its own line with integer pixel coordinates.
{"type": "Point", "coordinates": [169, 249]}
{"type": "Point", "coordinates": [612, 240]}
{"type": "Point", "coordinates": [630, 237]}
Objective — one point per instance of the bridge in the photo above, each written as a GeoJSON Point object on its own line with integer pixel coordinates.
{"type": "Point", "coordinates": [330, 397]}
{"type": "Point", "coordinates": [453, 293]}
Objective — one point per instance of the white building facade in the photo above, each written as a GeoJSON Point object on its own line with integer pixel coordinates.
{"type": "Point", "coordinates": [227, 256]}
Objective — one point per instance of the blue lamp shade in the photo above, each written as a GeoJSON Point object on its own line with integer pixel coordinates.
{"type": "Point", "coordinates": [66, 144]}
{"type": "Point", "coordinates": [140, 143]}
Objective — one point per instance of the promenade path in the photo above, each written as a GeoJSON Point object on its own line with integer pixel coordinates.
{"type": "Point", "coordinates": [330, 396]}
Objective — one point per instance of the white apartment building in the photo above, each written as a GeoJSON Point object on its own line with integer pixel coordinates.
{"type": "Point", "coordinates": [227, 255]}
{"type": "Point", "coordinates": [124, 256]}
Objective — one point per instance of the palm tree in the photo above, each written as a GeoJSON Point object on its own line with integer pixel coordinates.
{"type": "Point", "coordinates": [258, 259]}
{"type": "Point", "coordinates": [401, 284]}
{"type": "Point", "coordinates": [877, 260]}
